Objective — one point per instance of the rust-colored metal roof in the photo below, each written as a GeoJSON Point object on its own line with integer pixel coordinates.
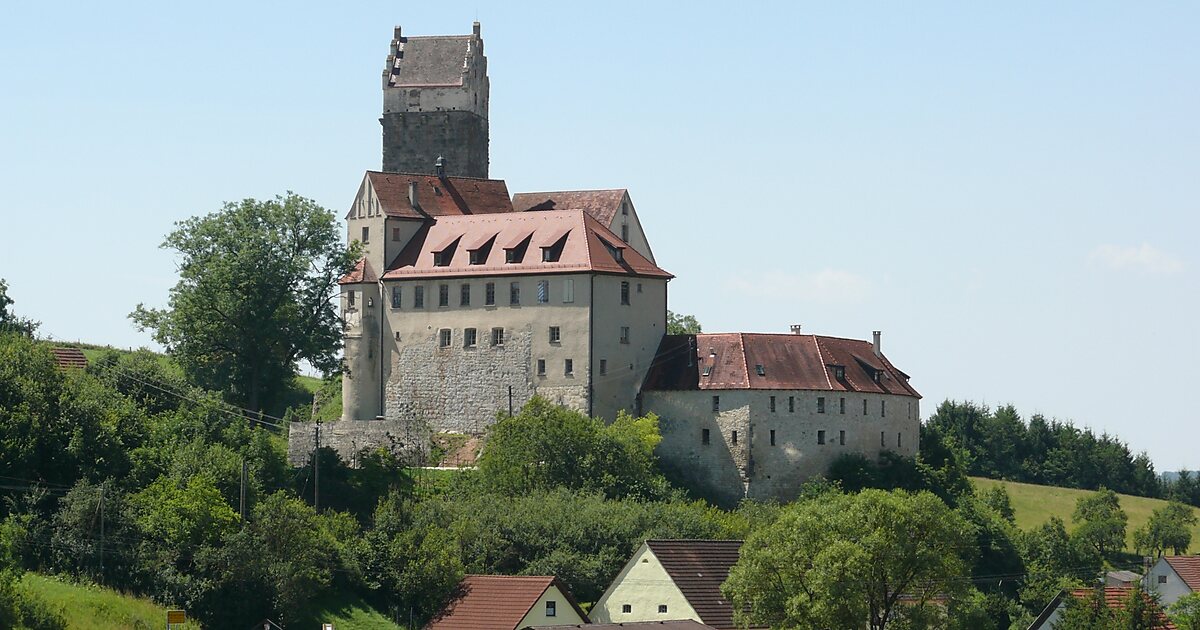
{"type": "Point", "coordinates": [1188, 568]}
{"type": "Point", "coordinates": [436, 197]}
{"type": "Point", "coordinates": [698, 567]}
{"type": "Point", "coordinates": [789, 361]}
{"type": "Point", "coordinates": [589, 246]}
{"type": "Point", "coordinates": [361, 273]}
{"type": "Point", "coordinates": [69, 358]}
{"type": "Point", "coordinates": [603, 205]}
{"type": "Point", "coordinates": [497, 602]}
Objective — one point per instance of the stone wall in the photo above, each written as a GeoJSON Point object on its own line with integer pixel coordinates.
{"type": "Point", "coordinates": [412, 142]}
{"type": "Point", "coordinates": [350, 437]}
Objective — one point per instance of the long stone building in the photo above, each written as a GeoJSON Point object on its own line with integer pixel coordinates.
{"type": "Point", "coordinates": [468, 301]}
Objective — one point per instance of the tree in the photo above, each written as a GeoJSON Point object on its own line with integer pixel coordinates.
{"type": "Point", "coordinates": [682, 324]}
{"type": "Point", "coordinates": [845, 561]}
{"type": "Point", "coordinates": [1185, 612]}
{"type": "Point", "coordinates": [9, 322]}
{"type": "Point", "coordinates": [1137, 611]}
{"type": "Point", "coordinates": [1169, 527]}
{"type": "Point", "coordinates": [253, 297]}
{"type": "Point", "coordinates": [1100, 522]}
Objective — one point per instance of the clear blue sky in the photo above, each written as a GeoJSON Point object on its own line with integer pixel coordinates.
{"type": "Point", "coordinates": [1008, 190]}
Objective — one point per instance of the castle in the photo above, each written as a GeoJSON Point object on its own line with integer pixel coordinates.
{"type": "Point", "coordinates": [468, 301]}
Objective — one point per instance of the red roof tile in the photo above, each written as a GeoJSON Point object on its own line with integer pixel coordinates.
{"type": "Point", "coordinates": [361, 273]}
{"type": "Point", "coordinates": [436, 196]}
{"type": "Point", "coordinates": [589, 246]}
{"type": "Point", "coordinates": [603, 205]}
{"type": "Point", "coordinates": [698, 567]}
{"type": "Point", "coordinates": [1188, 568]}
{"type": "Point", "coordinates": [673, 624]}
{"type": "Point", "coordinates": [69, 358]}
{"type": "Point", "coordinates": [789, 361]}
{"type": "Point", "coordinates": [1115, 596]}
{"type": "Point", "coordinates": [496, 602]}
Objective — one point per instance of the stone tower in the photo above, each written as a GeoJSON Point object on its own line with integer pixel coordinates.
{"type": "Point", "coordinates": [435, 104]}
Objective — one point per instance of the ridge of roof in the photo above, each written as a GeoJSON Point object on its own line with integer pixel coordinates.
{"type": "Point", "coordinates": [1187, 568]}
{"type": "Point", "coordinates": [407, 173]}
{"type": "Point", "coordinates": [821, 358]}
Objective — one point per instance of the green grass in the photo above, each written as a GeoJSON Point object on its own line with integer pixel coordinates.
{"type": "Point", "coordinates": [88, 607]}
{"type": "Point", "coordinates": [1034, 505]}
{"type": "Point", "coordinates": [345, 613]}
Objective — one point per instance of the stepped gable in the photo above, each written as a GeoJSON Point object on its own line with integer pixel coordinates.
{"type": "Point", "coordinates": [789, 361]}
{"type": "Point", "coordinates": [487, 602]}
{"type": "Point", "coordinates": [698, 567]}
{"type": "Point", "coordinates": [603, 205]}
{"type": "Point", "coordinates": [69, 358]}
{"type": "Point", "coordinates": [437, 196]}
{"type": "Point", "coordinates": [1188, 568]}
{"type": "Point", "coordinates": [430, 61]}
{"type": "Point", "coordinates": [560, 241]}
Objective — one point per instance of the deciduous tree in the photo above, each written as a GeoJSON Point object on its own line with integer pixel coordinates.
{"type": "Point", "coordinates": [678, 324]}
{"type": "Point", "coordinates": [1169, 528]}
{"type": "Point", "coordinates": [1100, 522]}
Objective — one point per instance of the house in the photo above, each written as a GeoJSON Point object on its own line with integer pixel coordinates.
{"type": "Point", "coordinates": [1172, 577]}
{"type": "Point", "coordinates": [672, 580]}
{"type": "Point", "coordinates": [1114, 597]}
{"type": "Point", "coordinates": [1125, 579]}
{"type": "Point", "coordinates": [508, 602]}
{"type": "Point", "coordinates": [676, 624]}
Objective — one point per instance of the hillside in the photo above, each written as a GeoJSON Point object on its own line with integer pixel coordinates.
{"type": "Point", "coordinates": [1035, 505]}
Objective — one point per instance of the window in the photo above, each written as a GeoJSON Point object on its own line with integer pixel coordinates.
{"type": "Point", "coordinates": [882, 408]}
{"type": "Point", "coordinates": [395, 297]}
{"type": "Point", "coordinates": [899, 440]}
{"type": "Point", "coordinates": [882, 444]}
{"type": "Point", "coordinates": [543, 291]}
{"type": "Point", "coordinates": [1162, 579]}
{"type": "Point", "coordinates": [841, 438]}
{"type": "Point", "coordinates": [624, 334]}
{"type": "Point", "coordinates": [568, 367]}
{"type": "Point", "coordinates": [497, 336]}
{"type": "Point", "coordinates": [772, 437]}
{"type": "Point", "coordinates": [760, 370]}
{"type": "Point", "coordinates": [626, 608]}
{"type": "Point", "coordinates": [662, 609]}
{"type": "Point", "coordinates": [418, 297]}
{"type": "Point", "coordinates": [370, 301]}
{"type": "Point", "coordinates": [541, 367]}
{"type": "Point", "coordinates": [864, 406]}
{"type": "Point", "coordinates": [550, 608]}
{"type": "Point", "coordinates": [478, 256]}
{"type": "Point", "coordinates": [639, 285]}
{"type": "Point", "coordinates": [820, 437]}
{"type": "Point", "coordinates": [555, 334]}
{"type": "Point", "coordinates": [603, 366]}
{"type": "Point", "coordinates": [625, 232]}
{"type": "Point", "coordinates": [469, 338]}
{"type": "Point", "coordinates": [820, 404]}
{"type": "Point", "coordinates": [514, 293]}
{"type": "Point", "coordinates": [772, 404]}
{"type": "Point", "coordinates": [443, 258]}
{"type": "Point", "coordinates": [464, 297]}
{"type": "Point", "coordinates": [625, 293]}
{"type": "Point", "coordinates": [512, 256]}
{"type": "Point", "coordinates": [842, 405]}
{"type": "Point", "coordinates": [489, 294]}
{"type": "Point", "coordinates": [443, 295]}
{"type": "Point", "coordinates": [350, 298]}
{"type": "Point", "coordinates": [397, 336]}
{"type": "Point", "coordinates": [839, 372]}
{"type": "Point", "coordinates": [366, 234]}
{"type": "Point", "coordinates": [568, 290]}
{"type": "Point", "coordinates": [707, 370]}
{"type": "Point", "coordinates": [716, 403]}
{"type": "Point", "coordinates": [704, 436]}
{"type": "Point", "coordinates": [395, 234]}
{"type": "Point", "coordinates": [625, 209]}
{"type": "Point", "coordinates": [444, 337]}
{"type": "Point", "coordinates": [791, 404]}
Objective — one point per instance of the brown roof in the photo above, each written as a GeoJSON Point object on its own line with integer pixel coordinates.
{"type": "Point", "coordinates": [673, 624]}
{"type": "Point", "coordinates": [789, 361]}
{"type": "Point", "coordinates": [436, 196]}
{"type": "Point", "coordinates": [1115, 596]}
{"type": "Point", "coordinates": [698, 567]}
{"type": "Point", "coordinates": [431, 60]}
{"type": "Point", "coordinates": [601, 204]}
{"type": "Point", "coordinates": [496, 602]}
{"type": "Point", "coordinates": [361, 273]}
{"type": "Point", "coordinates": [588, 246]}
{"type": "Point", "coordinates": [69, 358]}
{"type": "Point", "coordinates": [1188, 568]}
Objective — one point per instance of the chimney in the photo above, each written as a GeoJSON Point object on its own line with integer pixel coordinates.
{"type": "Point", "coordinates": [396, 32]}
{"type": "Point", "coordinates": [412, 196]}
{"type": "Point", "coordinates": [439, 164]}
{"type": "Point", "coordinates": [876, 334]}
{"type": "Point", "coordinates": [475, 28]}
{"type": "Point", "coordinates": [796, 329]}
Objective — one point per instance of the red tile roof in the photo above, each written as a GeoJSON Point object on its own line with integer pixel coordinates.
{"type": "Point", "coordinates": [1115, 596]}
{"type": "Point", "coordinates": [789, 361]}
{"type": "Point", "coordinates": [673, 624]}
{"type": "Point", "coordinates": [601, 204]}
{"type": "Point", "coordinates": [698, 567]}
{"type": "Point", "coordinates": [496, 602]}
{"type": "Point", "coordinates": [361, 273]}
{"type": "Point", "coordinates": [1188, 568]}
{"type": "Point", "coordinates": [69, 358]}
{"type": "Point", "coordinates": [589, 246]}
{"type": "Point", "coordinates": [436, 196]}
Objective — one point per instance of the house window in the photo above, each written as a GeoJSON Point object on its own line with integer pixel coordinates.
{"type": "Point", "coordinates": [772, 404]}
{"type": "Point", "coordinates": [772, 437]}
{"type": "Point", "coordinates": [568, 367]}
{"type": "Point", "coordinates": [603, 366]}
{"type": "Point", "coordinates": [443, 295]}
{"type": "Point", "coordinates": [469, 338]}
{"type": "Point", "coordinates": [350, 298]}
{"type": "Point", "coordinates": [555, 334]}
{"type": "Point", "coordinates": [444, 337]}
{"type": "Point", "coordinates": [514, 293]}
{"type": "Point", "coordinates": [442, 258]}
{"type": "Point", "coordinates": [395, 297]}
{"type": "Point", "coordinates": [842, 405]}
{"type": "Point", "coordinates": [543, 291]}
{"type": "Point", "coordinates": [791, 404]}
{"type": "Point", "coordinates": [842, 438]}
{"type": "Point", "coordinates": [395, 234]}
{"type": "Point", "coordinates": [625, 293]}
{"type": "Point", "coordinates": [716, 403]}
{"type": "Point", "coordinates": [489, 294]}
{"type": "Point", "coordinates": [418, 297]}
{"type": "Point", "coordinates": [541, 367]}
{"type": "Point", "coordinates": [864, 406]}
{"type": "Point", "coordinates": [899, 441]}
{"type": "Point", "coordinates": [478, 256]}
{"type": "Point", "coordinates": [662, 609]}
{"type": "Point", "coordinates": [366, 234]}
{"type": "Point", "coordinates": [820, 437]}
{"type": "Point", "coordinates": [820, 404]}
{"type": "Point", "coordinates": [625, 232]}
{"type": "Point", "coordinates": [624, 334]}
{"type": "Point", "coordinates": [497, 336]}
{"type": "Point", "coordinates": [464, 298]}
{"type": "Point", "coordinates": [707, 370]}
{"type": "Point", "coordinates": [639, 287]}
{"type": "Point", "coordinates": [625, 209]}
{"type": "Point", "coordinates": [882, 444]}
{"type": "Point", "coordinates": [512, 256]}
{"type": "Point", "coordinates": [839, 372]}
{"type": "Point", "coordinates": [704, 439]}
{"type": "Point", "coordinates": [882, 408]}
{"type": "Point", "coordinates": [1162, 579]}
{"type": "Point", "coordinates": [733, 437]}
{"type": "Point", "coordinates": [568, 290]}
{"type": "Point", "coordinates": [551, 608]}
{"type": "Point", "coordinates": [626, 608]}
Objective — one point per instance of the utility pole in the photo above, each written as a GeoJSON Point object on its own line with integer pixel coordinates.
{"type": "Point", "coordinates": [510, 400]}
{"type": "Point", "coordinates": [242, 506]}
{"type": "Point", "coordinates": [101, 533]}
{"type": "Point", "coordinates": [317, 470]}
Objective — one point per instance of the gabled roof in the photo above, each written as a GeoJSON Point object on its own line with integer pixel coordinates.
{"type": "Point", "coordinates": [494, 602]}
{"type": "Point", "coordinates": [589, 247]}
{"type": "Point", "coordinates": [673, 624]}
{"type": "Point", "coordinates": [360, 274]}
{"type": "Point", "coordinates": [1114, 598]}
{"type": "Point", "coordinates": [1188, 568]}
{"type": "Point", "coordinates": [698, 567]}
{"type": "Point", "coordinates": [69, 358]}
{"type": "Point", "coordinates": [601, 204]}
{"type": "Point", "coordinates": [789, 361]}
{"type": "Point", "coordinates": [436, 197]}
{"type": "Point", "coordinates": [431, 60]}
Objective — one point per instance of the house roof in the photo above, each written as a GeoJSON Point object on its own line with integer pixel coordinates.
{"type": "Point", "coordinates": [588, 247]}
{"type": "Point", "coordinates": [1188, 568]}
{"type": "Point", "coordinates": [431, 60]}
{"type": "Point", "coordinates": [698, 567]}
{"type": "Point", "coordinates": [601, 204]}
{"type": "Point", "coordinates": [673, 624]}
{"type": "Point", "coordinates": [361, 273]}
{"type": "Point", "coordinates": [437, 196]}
{"type": "Point", "coordinates": [69, 358]}
{"type": "Point", "coordinates": [1114, 597]}
{"type": "Point", "coordinates": [496, 602]}
{"type": "Point", "coordinates": [789, 361]}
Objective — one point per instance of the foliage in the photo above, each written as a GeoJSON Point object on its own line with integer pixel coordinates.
{"type": "Point", "coordinates": [678, 324]}
{"type": "Point", "coordinates": [845, 561]}
{"type": "Point", "coordinates": [1053, 561]}
{"type": "Point", "coordinates": [1185, 612]}
{"type": "Point", "coordinates": [1169, 528]}
{"type": "Point", "coordinates": [10, 322]}
{"type": "Point", "coordinates": [937, 468]}
{"type": "Point", "coordinates": [253, 297]}
{"type": "Point", "coordinates": [1100, 522]}
{"type": "Point", "coordinates": [1138, 611]}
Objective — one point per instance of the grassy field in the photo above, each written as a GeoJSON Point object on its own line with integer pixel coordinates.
{"type": "Point", "coordinates": [1035, 505]}
{"type": "Point", "coordinates": [96, 608]}
{"type": "Point", "coordinates": [345, 614]}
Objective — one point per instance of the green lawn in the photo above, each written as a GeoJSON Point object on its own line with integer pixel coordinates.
{"type": "Point", "coordinates": [345, 614]}
{"type": "Point", "coordinates": [1035, 505]}
{"type": "Point", "coordinates": [96, 608]}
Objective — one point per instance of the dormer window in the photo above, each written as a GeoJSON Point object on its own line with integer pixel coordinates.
{"type": "Point", "coordinates": [516, 253]}
{"type": "Point", "coordinates": [442, 258]}
{"type": "Point", "coordinates": [878, 375]}
{"type": "Point", "coordinates": [707, 371]}
{"type": "Point", "coordinates": [478, 257]}
{"type": "Point", "coordinates": [760, 370]}
{"type": "Point", "coordinates": [839, 372]}
{"type": "Point", "coordinates": [479, 253]}
{"type": "Point", "coordinates": [553, 252]}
